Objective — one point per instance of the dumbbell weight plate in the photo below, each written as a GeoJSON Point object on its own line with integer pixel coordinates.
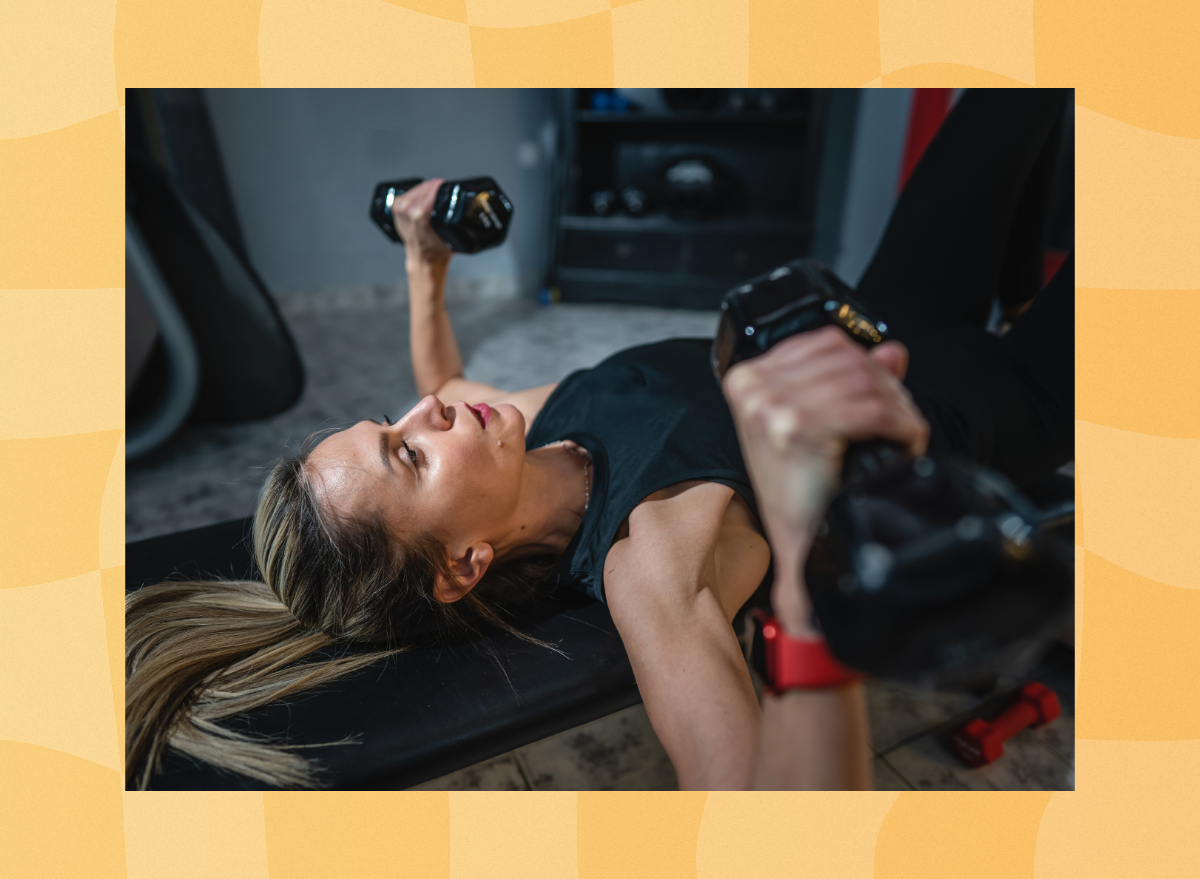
{"type": "Point", "coordinates": [471, 215]}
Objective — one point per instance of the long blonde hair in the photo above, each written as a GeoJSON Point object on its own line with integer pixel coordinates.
{"type": "Point", "coordinates": [200, 652]}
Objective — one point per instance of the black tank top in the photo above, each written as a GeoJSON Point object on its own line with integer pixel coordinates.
{"type": "Point", "coordinates": [650, 417]}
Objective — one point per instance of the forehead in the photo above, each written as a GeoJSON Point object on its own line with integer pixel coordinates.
{"type": "Point", "coordinates": [346, 466]}
{"type": "Point", "coordinates": [352, 447]}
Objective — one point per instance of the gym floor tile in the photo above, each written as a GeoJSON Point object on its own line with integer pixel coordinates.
{"type": "Point", "coordinates": [1059, 736]}
{"type": "Point", "coordinates": [927, 763]}
{"type": "Point", "coordinates": [618, 752]}
{"type": "Point", "coordinates": [1027, 764]}
{"type": "Point", "coordinates": [898, 713]}
{"type": "Point", "coordinates": [499, 773]}
{"type": "Point", "coordinates": [887, 778]}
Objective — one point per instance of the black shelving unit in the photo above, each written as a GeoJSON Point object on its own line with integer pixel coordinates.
{"type": "Point", "coordinates": [766, 165]}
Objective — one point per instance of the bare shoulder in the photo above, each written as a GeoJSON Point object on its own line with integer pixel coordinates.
{"type": "Point", "coordinates": [529, 401]}
{"type": "Point", "coordinates": [685, 539]}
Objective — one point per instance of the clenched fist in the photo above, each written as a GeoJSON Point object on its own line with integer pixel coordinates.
{"type": "Point", "coordinates": [796, 408]}
{"type": "Point", "coordinates": [411, 213]}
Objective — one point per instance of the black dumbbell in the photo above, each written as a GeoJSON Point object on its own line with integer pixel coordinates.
{"type": "Point", "coordinates": [469, 215]}
{"type": "Point", "coordinates": [937, 571]}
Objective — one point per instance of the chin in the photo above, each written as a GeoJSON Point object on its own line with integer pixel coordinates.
{"type": "Point", "coordinates": [515, 416]}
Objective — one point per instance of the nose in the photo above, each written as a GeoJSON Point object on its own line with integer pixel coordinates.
{"type": "Point", "coordinates": [431, 411]}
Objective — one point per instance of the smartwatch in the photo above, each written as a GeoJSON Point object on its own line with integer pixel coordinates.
{"type": "Point", "coordinates": [785, 662]}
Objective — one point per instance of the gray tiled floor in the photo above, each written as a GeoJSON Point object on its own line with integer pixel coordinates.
{"type": "Point", "coordinates": [355, 348]}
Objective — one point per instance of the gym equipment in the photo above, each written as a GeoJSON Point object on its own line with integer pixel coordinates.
{"type": "Point", "coordinates": [693, 187]}
{"type": "Point", "coordinates": [937, 571]}
{"type": "Point", "coordinates": [214, 314]}
{"type": "Point", "coordinates": [180, 371]}
{"type": "Point", "coordinates": [635, 201]}
{"type": "Point", "coordinates": [980, 742]}
{"type": "Point", "coordinates": [604, 202]}
{"type": "Point", "coordinates": [469, 215]}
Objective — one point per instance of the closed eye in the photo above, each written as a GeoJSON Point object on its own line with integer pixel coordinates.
{"type": "Point", "coordinates": [412, 456]}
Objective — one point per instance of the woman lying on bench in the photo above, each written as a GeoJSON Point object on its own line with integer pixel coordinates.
{"type": "Point", "coordinates": [625, 479]}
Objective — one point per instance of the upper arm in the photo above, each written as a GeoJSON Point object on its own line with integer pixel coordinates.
{"type": "Point", "coordinates": [528, 401]}
{"type": "Point", "coordinates": [670, 595]}
{"type": "Point", "coordinates": [702, 537]}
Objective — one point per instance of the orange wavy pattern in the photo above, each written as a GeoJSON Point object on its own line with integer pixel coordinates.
{"type": "Point", "coordinates": [61, 143]}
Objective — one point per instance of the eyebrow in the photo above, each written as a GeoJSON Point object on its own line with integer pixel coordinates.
{"type": "Point", "coordinates": [384, 452]}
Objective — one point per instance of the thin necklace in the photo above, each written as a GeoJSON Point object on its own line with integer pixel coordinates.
{"type": "Point", "coordinates": [587, 464]}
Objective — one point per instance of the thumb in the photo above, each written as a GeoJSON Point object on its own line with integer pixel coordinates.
{"type": "Point", "coordinates": [892, 356]}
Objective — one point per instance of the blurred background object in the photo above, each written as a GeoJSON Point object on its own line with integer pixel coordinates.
{"type": "Point", "coordinates": [210, 343]}
{"type": "Point", "coordinates": [722, 183]}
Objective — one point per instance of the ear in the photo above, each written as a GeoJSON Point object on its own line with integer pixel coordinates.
{"type": "Point", "coordinates": [469, 568]}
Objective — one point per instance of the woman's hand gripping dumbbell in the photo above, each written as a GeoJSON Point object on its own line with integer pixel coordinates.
{"type": "Point", "coordinates": [796, 408]}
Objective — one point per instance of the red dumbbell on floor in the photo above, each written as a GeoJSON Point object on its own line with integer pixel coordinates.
{"type": "Point", "coordinates": [981, 742]}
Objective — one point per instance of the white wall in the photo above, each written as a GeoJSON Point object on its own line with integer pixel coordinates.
{"type": "Point", "coordinates": [302, 165]}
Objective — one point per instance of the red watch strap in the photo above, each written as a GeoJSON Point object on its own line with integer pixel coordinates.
{"type": "Point", "coordinates": [799, 663]}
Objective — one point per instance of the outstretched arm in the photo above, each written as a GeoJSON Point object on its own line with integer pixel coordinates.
{"type": "Point", "coordinates": [437, 363]}
{"type": "Point", "coordinates": [435, 356]}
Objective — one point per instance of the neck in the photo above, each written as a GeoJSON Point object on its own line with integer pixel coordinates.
{"type": "Point", "coordinates": [551, 506]}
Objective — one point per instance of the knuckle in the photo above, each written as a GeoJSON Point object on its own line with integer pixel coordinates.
{"type": "Point", "coordinates": [782, 426]}
{"type": "Point", "coordinates": [751, 406]}
{"type": "Point", "coordinates": [741, 379]}
{"type": "Point", "coordinates": [874, 411]}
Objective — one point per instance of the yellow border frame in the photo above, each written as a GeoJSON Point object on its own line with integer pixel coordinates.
{"type": "Point", "coordinates": [62, 72]}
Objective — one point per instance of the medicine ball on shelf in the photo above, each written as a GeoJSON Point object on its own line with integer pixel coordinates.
{"type": "Point", "coordinates": [694, 186]}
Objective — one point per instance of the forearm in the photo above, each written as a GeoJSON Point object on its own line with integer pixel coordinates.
{"type": "Point", "coordinates": [696, 689]}
{"type": "Point", "coordinates": [814, 740]}
{"type": "Point", "coordinates": [705, 714]}
{"type": "Point", "coordinates": [810, 739]}
{"type": "Point", "coordinates": [435, 356]}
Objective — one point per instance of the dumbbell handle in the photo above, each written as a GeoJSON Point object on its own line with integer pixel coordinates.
{"type": "Point", "coordinates": [866, 459]}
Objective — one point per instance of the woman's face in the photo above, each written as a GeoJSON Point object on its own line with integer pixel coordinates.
{"type": "Point", "coordinates": [453, 471]}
